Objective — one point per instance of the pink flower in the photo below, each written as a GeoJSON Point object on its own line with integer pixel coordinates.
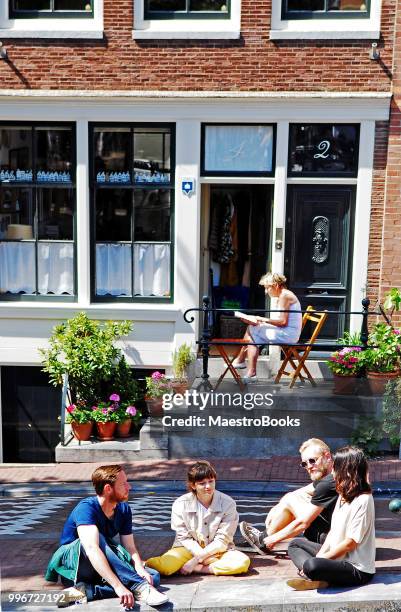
{"type": "Point", "coordinates": [131, 410]}
{"type": "Point", "coordinates": [94, 407]}
{"type": "Point", "coordinates": [114, 397]}
{"type": "Point", "coordinates": [397, 332]}
{"type": "Point", "coordinates": [157, 375]}
{"type": "Point", "coordinates": [105, 411]}
{"type": "Point", "coordinates": [71, 408]}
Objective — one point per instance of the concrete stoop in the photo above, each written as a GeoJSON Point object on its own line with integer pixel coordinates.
{"type": "Point", "coordinates": [151, 444]}
{"type": "Point", "coordinates": [220, 594]}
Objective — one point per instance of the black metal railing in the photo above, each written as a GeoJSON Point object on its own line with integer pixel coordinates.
{"type": "Point", "coordinates": [206, 339]}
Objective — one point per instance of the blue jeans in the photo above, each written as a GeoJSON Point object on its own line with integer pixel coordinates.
{"type": "Point", "coordinates": [96, 587]}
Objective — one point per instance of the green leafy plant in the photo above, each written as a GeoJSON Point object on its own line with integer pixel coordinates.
{"type": "Point", "coordinates": [157, 385]}
{"type": "Point", "coordinates": [350, 339]}
{"type": "Point", "coordinates": [391, 304]}
{"type": "Point", "coordinates": [79, 413]}
{"type": "Point", "coordinates": [84, 349]}
{"type": "Point", "coordinates": [182, 358]}
{"type": "Point", "coordinates": [392, 412]}
{"type": "Point", "coordinates": [367, 435]}
{"type": "Point", "coordinates": [384, 352]}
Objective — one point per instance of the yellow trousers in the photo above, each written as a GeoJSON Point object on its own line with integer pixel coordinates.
{"type": "Point", "coordinates": [230, 562]}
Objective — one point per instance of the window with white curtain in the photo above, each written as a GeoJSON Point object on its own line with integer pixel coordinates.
{"type": "Point", "coordinates": [37, 208]}
{"type": "Point", "coordinates": [133, 195]}
{"type": "Point", "coordinates": [242, 150]}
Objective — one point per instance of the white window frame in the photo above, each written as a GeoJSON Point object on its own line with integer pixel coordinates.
{"type": "Point", "coordinates": [168, 29]}
{"type": "Point", "coordinates": [326, 29]}
{"type": "Point", "coordinates": [41, 27]}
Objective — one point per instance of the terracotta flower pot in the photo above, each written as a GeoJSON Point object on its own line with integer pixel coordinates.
{"type": "Point", "coordinates": [155, 406]}
{"type": "Point", "coordinates": [378, 380]}
{"type": "Point", "coordinates": [105, 431]}
{"type": "Point", "coordinates": [82, 431]}
{"type": "Point", "coordinates": [124, 428]}
{"type": "Point", "coordinates": [179, 386]}
{"type": "Point", "coordinates": [345, 384]}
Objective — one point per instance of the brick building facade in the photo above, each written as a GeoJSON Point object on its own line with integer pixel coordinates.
{"type": "Point", "coordinates": [273, 112]}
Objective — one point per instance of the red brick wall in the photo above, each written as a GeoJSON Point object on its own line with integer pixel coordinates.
{"type": "Point", "coordinates": [252, 63]}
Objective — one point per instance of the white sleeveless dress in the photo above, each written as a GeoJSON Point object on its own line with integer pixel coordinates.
{"type": "Point", "coordinates": [265, 333]}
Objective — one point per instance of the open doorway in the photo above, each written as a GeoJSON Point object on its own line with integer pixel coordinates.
{"type": "Point", "coordinates": [236, 246]}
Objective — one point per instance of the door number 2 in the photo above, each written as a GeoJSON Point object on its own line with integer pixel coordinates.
{"type": "Point", "coordinates": [323, 146]}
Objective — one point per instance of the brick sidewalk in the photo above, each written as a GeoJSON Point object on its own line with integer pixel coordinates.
{"type": "Point", "coordinates": [274, 469]}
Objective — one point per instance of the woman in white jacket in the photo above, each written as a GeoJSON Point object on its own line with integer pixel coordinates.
{"type": "Point", "coordinates": [347, 557]}
{"type": "Point", "coordinates": [205, 521]}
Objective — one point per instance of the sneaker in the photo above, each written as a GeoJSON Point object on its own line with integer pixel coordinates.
{"type": "Point", "coordinates": [253, 536]}
{"type": "Point", "coordinates": [146, 593]}
{"type": "Point", "coordinates": [304, 584]}
{"type": "Point", "coordinates": [73, 595]}
{"type": "Point", "coordinates": [250, 379]}
{"type": "Point", "coordinates": [239, 365]}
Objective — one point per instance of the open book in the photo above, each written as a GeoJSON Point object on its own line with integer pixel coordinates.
{"type": "Point", "coordinates": [250, 319]}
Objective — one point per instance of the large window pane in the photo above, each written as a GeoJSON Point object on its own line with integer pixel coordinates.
{"type": "Point", "coordinates": [113, 214]}
{"type": "Point", "coordinates": [15, 154]}
{"type": "Point", "coordinates": [114, 269]}
{"type": "Point", "coordinates": [17, 212]}
{"type": "Point", "coordinates": [325, 7]}
{"type": "Point", "coordinates": [31, 5]}
{"type": "Point", "coordinates": [238, 149]}
{"type": "Point", "coordinates": [152, 270]}
{"type": "Point", "coordinates": [152, 155]}
{"type": "Point", "coordinates": [112, 154]}
{"type": "Point", "coordinates": [324, 149]}
{"type": "Point", "coordinates": [72, 5]}
{"type": "Point", "coordinates": [56, 268]}
{"type": "Point", "coordinates": [54, 154]}
{"type": "Point", "coordinates": [208, 5]}
{"type": "Point", "coordinates": [166, 5]}
{"type": "Point", "coordinates": [152, 214]}
{"type": "Point", "coordinates": [55, 214]}
{"type": "Point", "coordinates": [17, 267]}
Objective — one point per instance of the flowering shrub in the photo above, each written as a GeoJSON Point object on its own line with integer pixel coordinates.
{"type": "Point", "coordinates": [78, 413]}
{"type": "Point", "coordinates": [346, 362]}
{"type": "Point", "coordinates": [114, 411]}
{"type": "Point", "coordinates": [157, 385]}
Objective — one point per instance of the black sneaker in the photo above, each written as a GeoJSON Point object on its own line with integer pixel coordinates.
{"type": "Point", "coordinates": [253, 536]}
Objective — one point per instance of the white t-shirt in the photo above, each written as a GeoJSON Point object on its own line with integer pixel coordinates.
{"type": "Point", "coordinates": [355, 520]}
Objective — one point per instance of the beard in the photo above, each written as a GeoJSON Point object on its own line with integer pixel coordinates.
{"type": "Point", "coordinates": [319, 474]}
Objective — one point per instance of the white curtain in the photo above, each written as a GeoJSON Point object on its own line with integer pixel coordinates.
{"type": "Point", "coordinates": [151, 269]}
{"type": "Point", "coordinates": [113, 269]}
{"type": "Point", "coordinates": [239, 148]}
{"type": "Point", "coordinates": [55, 267]}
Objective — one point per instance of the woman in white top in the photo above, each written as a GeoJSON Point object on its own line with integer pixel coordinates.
{"type": "Point", "coordinates": [285, 328]}
{"type": "Point", "coordinates": [204, 521]}
{"type": "Point", "coordinates": [347, 557]}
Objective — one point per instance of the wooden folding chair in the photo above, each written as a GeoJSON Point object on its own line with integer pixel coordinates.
{"type": "Point", "coordinates": [228, 360]}
{"type": "Point", "coordinates": [296, 356]}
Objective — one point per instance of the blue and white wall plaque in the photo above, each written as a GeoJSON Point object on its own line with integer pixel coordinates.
{"type": "Point", "coordinates": [188, 186]}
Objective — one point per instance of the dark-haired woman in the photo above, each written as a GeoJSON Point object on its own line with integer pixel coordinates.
{"type": "Point", "coordinates": [347, 557]}
{"type": "Point", "coordinates": [205, 521]}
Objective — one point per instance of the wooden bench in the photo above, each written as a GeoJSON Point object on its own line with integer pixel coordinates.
{"type": "Point", "coordinates": [295, 354]}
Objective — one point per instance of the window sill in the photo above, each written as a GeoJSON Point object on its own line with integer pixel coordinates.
{"type": "Point", "coordinates": [63, 34]}
{"type": "Point", "coordinates": [324, 34]}
{"type": "Point", "coordinates": [185, 34]}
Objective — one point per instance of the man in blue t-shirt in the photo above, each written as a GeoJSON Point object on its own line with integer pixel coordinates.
{"type": "Point", "coordinates": [88, 557]}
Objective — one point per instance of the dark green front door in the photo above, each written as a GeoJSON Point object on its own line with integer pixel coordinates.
{"type": "Point", "coordinates": [318, 250]}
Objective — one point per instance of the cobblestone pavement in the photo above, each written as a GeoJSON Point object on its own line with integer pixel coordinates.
{"type": "Point", "coordinates": [31, 526]}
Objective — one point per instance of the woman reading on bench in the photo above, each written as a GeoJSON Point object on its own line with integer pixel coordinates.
{"type": "Point", "coordinates": [285, 328]}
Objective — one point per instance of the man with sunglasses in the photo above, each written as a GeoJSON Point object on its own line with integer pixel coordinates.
{"type": "Point", "coordinates": [306, 510]}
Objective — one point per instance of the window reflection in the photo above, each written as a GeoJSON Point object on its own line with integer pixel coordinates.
{"type": "Point", "coordinates": [152, 155]}
{"type": "Point", "coordinates": [16, 154]}
{"type": "Point", "coordinates": [54, 154]}
{"type": "Point", "coordinates": [55, 214]}
{"type": "Point", "coordinates": [112, 153]}
{"type": "Point", "coordinates": [152, 214]}
{"type": "Point", "coordinates": [113, 214]}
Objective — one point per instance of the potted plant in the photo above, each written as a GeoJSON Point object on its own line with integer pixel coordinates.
{"type": "Point", "coordinates": [382, 358]}
{"type": "Point", "coordinates": [157, 385]}
{"type": "Point", "coordinates": [105, 415]}
{"type": "Point", "coordinates": [127, 415]}
{"type": "Point", "coordinates": [81, 421]}
{"type": "Point", "coordinates": [346, 364]}
{"type": "Point", "coordinates": [182, 359]}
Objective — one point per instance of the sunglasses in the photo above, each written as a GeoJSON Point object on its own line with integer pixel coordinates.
{"type": "Point", "coordinates": [310, 461]}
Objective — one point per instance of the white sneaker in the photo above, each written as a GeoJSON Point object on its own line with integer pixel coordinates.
{"type": "Point", "coordinates": [250, 379]}
{"type": "Point", "coordinates": [73, 595]}
{"type": "Point", "coordinates": [146, 593]}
